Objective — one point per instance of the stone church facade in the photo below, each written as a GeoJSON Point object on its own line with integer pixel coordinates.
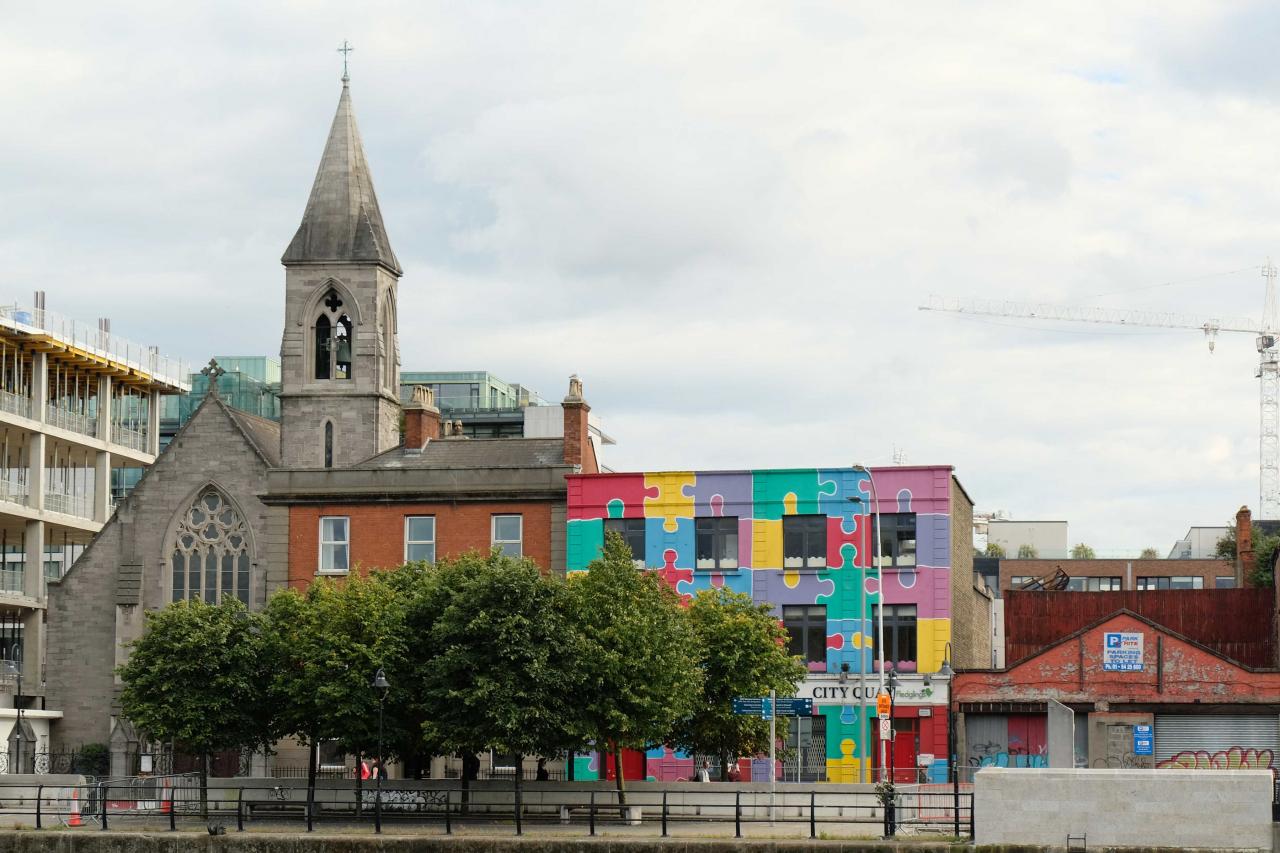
{"type": "Point", "coordinates": [231, 507]}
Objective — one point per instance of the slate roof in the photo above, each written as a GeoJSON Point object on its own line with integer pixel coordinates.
{"type": "Point", "coordinates": [475, 453]}
{"type": "Point", "coordinates": [262, 433]}
{"type": "Point", "coordinates": [342, 221]}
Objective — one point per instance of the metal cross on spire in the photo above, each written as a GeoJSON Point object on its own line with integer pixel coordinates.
{"type": "Point", "coordinates": [344, 50]}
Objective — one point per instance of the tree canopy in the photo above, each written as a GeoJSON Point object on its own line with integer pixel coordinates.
{"type": "Point", "coordinates": [1081, 551]}
{"type": "Point", "coordinates": [742, 651]}
{"type": "Point", "coordinates": [640, 662]}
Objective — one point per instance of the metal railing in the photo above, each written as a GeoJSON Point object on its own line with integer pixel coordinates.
{"type": "Point", "coordinates": [15, 404]}
{"type": "Point", "coordinates": [12, 580]}
{"type": "Point", "coordinates": [66, 419]}
{"type": "Point", "coordinates": [93, 340]}
{"type": "Point", "coordinates": [141, 803]}
{"type": "Point", "coordinates": [133, 438]}
{"type": "Point", "coordinates": [67, 504]}
{"type": "Point", "coordinates": [13, 490]}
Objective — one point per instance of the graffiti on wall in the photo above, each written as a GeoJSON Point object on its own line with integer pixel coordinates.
{"type": "Point", "coordinates": [1235, 758]}
{"type": "Point", "coordinates": [668, 506]}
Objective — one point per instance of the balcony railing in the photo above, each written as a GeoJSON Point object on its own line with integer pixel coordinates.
{"type": "Point", "coordinates": [11, 580]}
{"type": "Point", "coordinates": [133, 438]}
{"type": "Point", "coordinates": [92, 339]}
{"type": "Point", "coordinates": [74, 421]}
{"type": "Point", "coordinates": [13, 490]}
{"type": "Point", "coordinates": [15, 404]}
{"type": "Point", "coordinates": [78, 505]}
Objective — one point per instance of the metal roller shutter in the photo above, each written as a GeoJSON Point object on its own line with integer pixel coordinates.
{"type": "Point", "coordinates": [1213, 741]}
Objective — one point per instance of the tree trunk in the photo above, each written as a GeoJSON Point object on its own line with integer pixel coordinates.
{"type": "Point", "coordinates": [724, 766]}
{"type": "Point", "coordinates": [313, 762]}
{"type": "Point", "coordinates": [204, 784]}
{"type": "Point", "coordinates": [519, 776]}
{"type": "Point", "coordinates": [622, 782]}
{"type": "Point", "coordinates": [568, 770]}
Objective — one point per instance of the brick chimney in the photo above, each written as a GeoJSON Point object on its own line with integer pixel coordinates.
{"type": "Point", "coordinates": [578, 450]}
{"type": "Point", "coordinates": [421, 419]}
{"type": "Point", "coordinates": [1245, 556]}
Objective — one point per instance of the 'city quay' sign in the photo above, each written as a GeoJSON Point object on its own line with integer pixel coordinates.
{"type": "Point", "coordinates": [911, 691]}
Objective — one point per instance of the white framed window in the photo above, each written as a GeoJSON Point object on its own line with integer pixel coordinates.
{"type": "Point", "coordinates": [508, 534]}
{"type": "Point", "coordinates": [335, 543]}
{"type": "Point", "coordinates": [419, 538]}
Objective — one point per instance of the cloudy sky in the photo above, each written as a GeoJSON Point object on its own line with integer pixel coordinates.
{"type": "Point", "coordinates": [722, 215]}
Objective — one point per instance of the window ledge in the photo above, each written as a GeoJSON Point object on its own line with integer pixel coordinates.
{"type": "Point", "coordinates": [338, 572]}
{"type": "Point", "coordinates": [735, 571]}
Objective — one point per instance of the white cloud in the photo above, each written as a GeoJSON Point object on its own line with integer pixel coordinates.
{"type": "Point", "coordinates": [723, 215]}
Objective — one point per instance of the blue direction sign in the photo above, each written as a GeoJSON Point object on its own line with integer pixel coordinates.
{"type": "Point", "coordinates": [754, 706]}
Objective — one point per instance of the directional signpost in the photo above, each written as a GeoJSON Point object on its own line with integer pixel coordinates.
{"type": "Point", "coordinates": [770, 708]}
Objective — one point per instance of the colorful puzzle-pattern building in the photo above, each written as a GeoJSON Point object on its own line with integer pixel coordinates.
{"type": "Point", "coordinates": [849, 585]}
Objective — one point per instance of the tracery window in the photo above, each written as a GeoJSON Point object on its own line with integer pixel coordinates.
{"type": "Point", "coordinates": [211, 558]}
{"type": "Point", "coordinates": [334, 340]}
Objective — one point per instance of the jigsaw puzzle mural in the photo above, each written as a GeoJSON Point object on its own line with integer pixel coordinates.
{"type": "Point", "coordinates": [787, 537]}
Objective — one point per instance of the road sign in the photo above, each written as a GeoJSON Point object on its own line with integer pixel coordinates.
{"type": "Point", "coordinates": [794, 707]}
{"type": "Point", "coordinates": [754, 706]}
{"type": "Point", "coordinates": [886, 728]}
{"type": "Point", "coordinates": [883, 704]}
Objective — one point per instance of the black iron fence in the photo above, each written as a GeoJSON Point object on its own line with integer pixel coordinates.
{"type": "Point", "coordinates": [155, 803]}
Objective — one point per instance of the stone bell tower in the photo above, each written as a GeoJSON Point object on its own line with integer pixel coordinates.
{"type": "Point", "coordinates": [340, 362]}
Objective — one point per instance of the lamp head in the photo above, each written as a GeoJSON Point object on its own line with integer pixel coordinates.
{"type": "Point", "coordinates": [380, 682]}
{"type": "Point", "coordinates": [892, 681]}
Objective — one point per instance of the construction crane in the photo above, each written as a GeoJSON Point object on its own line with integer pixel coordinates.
{"type": "Point", "coordinates": [1265, 339]}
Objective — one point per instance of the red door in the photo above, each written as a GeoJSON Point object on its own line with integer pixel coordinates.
{"type": "Point", "coordinates": [633, 765]}
{"type": "Point", "coordinates": [906, 749]}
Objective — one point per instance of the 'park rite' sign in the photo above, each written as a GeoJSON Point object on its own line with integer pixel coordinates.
{"type": "Point", "coordinates": [1122, 652]}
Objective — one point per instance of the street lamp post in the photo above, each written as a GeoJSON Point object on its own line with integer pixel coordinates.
{"type": "Point", "coordinates": [875, 505]}
{"type": "Point", "coordinates": [381, 685]}
{"type": "Point", "coordinates": [954, 760]}
{"type": "Point", "coordinates": [891, 804]}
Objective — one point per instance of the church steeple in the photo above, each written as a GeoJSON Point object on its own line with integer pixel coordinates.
{"type": "Point", "coordinates": [342, 222]}
{"type": "Point", "coordinates": [339, 355]}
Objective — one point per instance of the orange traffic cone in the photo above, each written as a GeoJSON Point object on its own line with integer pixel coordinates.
{"type": "Point", "coordinates": [73, 819]}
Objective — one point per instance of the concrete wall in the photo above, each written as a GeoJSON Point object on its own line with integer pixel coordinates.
{"type": "Point", "coordinates": [1124, 808]}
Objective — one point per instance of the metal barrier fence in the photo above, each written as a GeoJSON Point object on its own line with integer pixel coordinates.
{"type": "Point", "coordinates": [167, 802]}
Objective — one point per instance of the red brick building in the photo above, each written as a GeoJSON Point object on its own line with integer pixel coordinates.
{"type": "Point", "coordinates": [432, 497]}
{"type": "Point", "coordinates": [1144, 694]}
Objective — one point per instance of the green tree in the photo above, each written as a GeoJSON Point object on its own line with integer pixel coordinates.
{"type": "Point", "coordinates": [638, 655]}
{"type": "Point", "coordinates": [1264, 551]}
{"type": "Point", "coordinates": [1149, 554]}
{"type": "Point", "coordinates": [742, 651]}
{"type": "Point", "coordinates": [504, 669]}
{"type": "Point", "coordinates": [196, 678]}
{"type": "Point", "coordinates": [328, 643]}
{"type": "Point", "coordinates": [1028, 552]}
{"type": "Point", "coordinates": [994, 549]}
{"type": "Point", "coordinates": [1082, 551]}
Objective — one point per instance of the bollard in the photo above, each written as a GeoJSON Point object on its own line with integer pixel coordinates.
{"type": "Point", "coordinates": [737, 814]}
{"type": "Point", "coordinates": [102, 803]}
{"type": "Point", "coordinates": [239, 811]}
{"type": "Point", "coordinates": [813, 814]}
{"type": "Point", "coordinates": [448, 823]}
{"type": "Point", "coordinates": [591, 812]}
{"type": "Point", "coordinates": [173, 812]}
{"type": "Point", "coordinates": [39, 797]}
{"type": "Point", "coordinates": [664, 814]}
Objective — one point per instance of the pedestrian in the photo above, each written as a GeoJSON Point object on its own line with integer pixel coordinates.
{"type": "Point", "coordinates": [734, 775]}
{"type": "Point", "coordinates": [377, 771]}
{"type": "Point", "coordinates": [364, 769]}
{"type": "Point", "coordinates": [542, 775]}
{"type": "Point", "coordinates": [704, 772]}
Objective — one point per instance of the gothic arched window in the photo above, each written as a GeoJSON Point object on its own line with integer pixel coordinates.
{"type": "Point", "coordinates": [211, 558]}
{"type": "Point", "coordinates": [334, 340]}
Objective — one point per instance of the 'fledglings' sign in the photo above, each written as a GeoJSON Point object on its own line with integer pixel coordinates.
{"type": "Point", "coordinates": [1122, 652]}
